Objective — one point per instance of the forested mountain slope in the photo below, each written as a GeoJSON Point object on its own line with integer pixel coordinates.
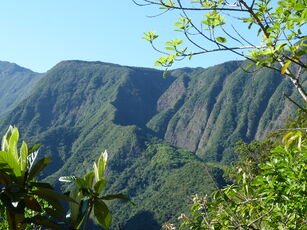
{"type": "Point", "coordinates": [15, 83]}
{"type": "Point", "coordinates": [211, 109]}
{"type": "Point", "coordinates": [159, 132]}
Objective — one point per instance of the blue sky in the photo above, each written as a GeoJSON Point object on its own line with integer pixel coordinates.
{"type": "Point", "coordinates": [37, 34]}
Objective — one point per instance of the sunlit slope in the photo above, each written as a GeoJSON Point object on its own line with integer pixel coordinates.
{"type": "Point", "coordinates": [15, 83]}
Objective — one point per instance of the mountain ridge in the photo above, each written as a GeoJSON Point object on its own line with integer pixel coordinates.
{"type": "Point", "coordinates": [16, 83]}
{"type": "Point", "coordinates": [156, 130]}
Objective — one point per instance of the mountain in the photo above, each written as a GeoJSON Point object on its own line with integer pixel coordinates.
{"type": "Point", "coordinates": [167, 139]}
{"type": "Point", "coordinates": [16, 83]}
{"type": "Point", "coordinates": [208, 110]}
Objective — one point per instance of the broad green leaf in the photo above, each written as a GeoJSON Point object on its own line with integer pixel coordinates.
{"type": "Point", "coordinates": [32, 203]}
{"type": "Point", "coordinates": [53, 194]}
{"type": "Point", "coordinates": [54, 214]}
{"type": "Point", "coordinates": [12, 163]}
{"type": "Point", "coordinates": [89, 178]}
{"type": "Point", "coordinates": [13, 141]}
{"type": "Point", "coordinates": [102, 213]}
{"type": "Point", "coordinates": [74, 208]}
{"type": "Point", "coordinates": [38, 167]}
{"type": "Point", "coordinates": [53, 201]}
{"type": "Point", "coordinates": [83, 210]}
{"type": "Point", "coordinates": [81, 183]}
{"type": "Point", "coordinates": [100, 185]}
{"type": "Point", "coordinates": [23, 157]}
{"type": "Point", "coordinates": [6, 138]}
{"type": "Point", "coordinates": [40, 185]}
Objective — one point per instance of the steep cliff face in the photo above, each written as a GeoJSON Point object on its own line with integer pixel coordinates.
{"type": "Point", "coordinates": [207, 111]}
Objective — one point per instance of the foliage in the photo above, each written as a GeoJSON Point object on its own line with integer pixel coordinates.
{"type": "Point", "coordinates": [20, 193]}
{"type": "Point", "coordinates": [274, 198]}
{"type": "Point", "coordinates": [279, 26]}
{"type": "Point", "coordinates": [160, 182]}
{"type": "Point", "coordinates": [88, 193]}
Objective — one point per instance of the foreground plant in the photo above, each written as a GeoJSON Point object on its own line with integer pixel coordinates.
{"type": "Point", "coordinates": [273, 199]}
{"type": "Point", "coordinates": [22, 197]}
{"type": "Point", "coordinates": [88, 193]}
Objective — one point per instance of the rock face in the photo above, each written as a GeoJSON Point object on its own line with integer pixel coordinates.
{"type": "Point", "coordinates": [15, 83]}
{"type": "Point", "coordinates": [207, 111]}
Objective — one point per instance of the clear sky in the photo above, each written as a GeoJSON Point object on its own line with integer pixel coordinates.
{"type": "Point", "coordinates": [37, 34]}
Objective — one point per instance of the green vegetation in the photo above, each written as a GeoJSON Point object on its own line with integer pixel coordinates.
{"type": "Point", "coordinates": [16, 84]}
{"type": "Point", "coordinates": [269, 191]}
{"type": "Point", "coordinates": [160, 183]}
{"type": "Point", "coordinates": [167, 139]}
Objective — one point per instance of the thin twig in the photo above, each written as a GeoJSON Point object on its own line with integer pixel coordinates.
{"type": "Point", "coordinates": [294, 102]}
{"type": "Point", "coordinates": [193, 8]}
{"type": "Point", "coordinates": [265, 214]}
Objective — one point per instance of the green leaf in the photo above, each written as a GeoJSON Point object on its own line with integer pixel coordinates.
{"type": "Point", "coordinates": [67, 179]}
{"type": "Point", "coordinates": [23, 157]}
{"type": "Point", "coordinates": [56, 195]}
{"type": "Point", "coordinates": [102, 162]}
{"type": "Point", "coordinates": [55, 214]}
{"type": "Point", "coordinates": [13, 141]}
{"type": "Point", "coordinates": [83, 210]}
{"type": "Point", "coordinates": [89, 178]}
{"type": "Point", "coordinates": [96, 171]}
{"type": "Point", "coordinates": [33, 148]}
{"type": "Point", "coordinates": [285, 67]}
{"type": "Point", "coordinates": [38, 167]}
{"type": "Point", "coordinates": [81, 183]}
{"type": "Point", "coordinates": [74, 208]}
{"type": "Point", "coordinates": [299, 7]}
{"type": "Point", "coordinates": [53, 197]}
{"type": "Point", "coordinates": [102, 213]}
{"type": "Point", "coordinates": [6, 138]}
{"type": "Point", "coordinates": [52, 200]}
{"type": "Point", "coordinates": [8, 159]}
{"type": "Point", "coordinates": [32, 203]}
{"type": "Point", "coordinates": [44, 221]}
{"type": "Point", "coordinates": [116, 196]}
{"type": "Point", "coordinates": [301, 52]}
{"type": "Point", "coordinates": [221, 39]}
{"type": "Point", "coordinates": [5, 180]}
{"type": "Point", "coordinates": [249, 65]}
{"type": "Point", "coordinates": [40, 185]}
{"type": "Point", "coordinates": [100, 185]}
